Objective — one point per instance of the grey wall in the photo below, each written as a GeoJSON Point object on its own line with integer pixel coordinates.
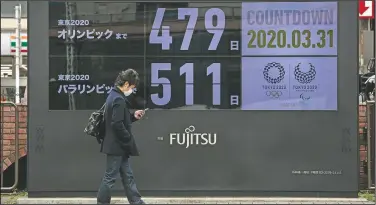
{"type": "Point", "coordinates": [255, 154]}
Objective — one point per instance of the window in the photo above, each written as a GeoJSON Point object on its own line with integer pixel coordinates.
{"type": "Point", "coordinates": [7, 8]}
{"type": "Point", "coordinates": [24, 60]}
{"type": "Point", "coordinates": [366, 24]}
{"type": "Point", "coordinates": [9, 93]}
{"type": "Point", "coordinates": [7, 60]}
{"type": "Point", "coordinates": [372, 24]}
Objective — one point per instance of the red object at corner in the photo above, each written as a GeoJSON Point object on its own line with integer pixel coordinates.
{"type": "Point", "coordinates": [366, 9]}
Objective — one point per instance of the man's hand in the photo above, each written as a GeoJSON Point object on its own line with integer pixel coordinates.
{"type": "Point", "coordinates": [139, 114]}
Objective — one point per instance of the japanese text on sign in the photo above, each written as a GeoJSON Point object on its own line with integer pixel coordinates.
{"type": "Point", "coordinates": [89, 34]}
{"type": "Point", "coordinates": [62, 22]}
{"type": "Point", "coordinates": [84, 89]}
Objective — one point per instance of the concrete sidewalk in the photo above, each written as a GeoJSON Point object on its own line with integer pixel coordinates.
{"type": "Point", "coordinates": [5, 199]}
{"type": "Point", "coordinates": [201, 200]}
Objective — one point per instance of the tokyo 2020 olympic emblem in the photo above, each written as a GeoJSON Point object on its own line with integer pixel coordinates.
{"type": "Point", "coordinates": [280, 76]}
{"type": "Point", "coordinates": [305, 77]}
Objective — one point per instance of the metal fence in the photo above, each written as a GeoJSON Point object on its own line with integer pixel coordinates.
{"type": "Point", "coordinates": [8, 148]}
{"type": "Point", "coordinates": [371, 144]}
{"type": "Point", "coordinates": [10, 96]}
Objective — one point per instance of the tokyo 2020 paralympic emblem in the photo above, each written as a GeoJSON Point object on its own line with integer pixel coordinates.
{"type": "Point", "coordinates": [280, 76]}
{"type": "Point", "coordinates": [305, 77]}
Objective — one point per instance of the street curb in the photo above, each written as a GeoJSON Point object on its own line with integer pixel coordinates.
{"type": "Point", "coordinates": [200, 200]}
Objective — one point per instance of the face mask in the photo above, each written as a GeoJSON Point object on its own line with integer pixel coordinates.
{"type": "Point", "coordinates": [127, 93]}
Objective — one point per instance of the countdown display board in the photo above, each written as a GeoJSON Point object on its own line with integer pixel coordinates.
{"type": "Point", "coordinates": [270, 56]}
{"type": "Point", "coordinates": [247, 92]}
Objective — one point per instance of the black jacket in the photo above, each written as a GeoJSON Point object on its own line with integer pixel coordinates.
{"type": "Point", "coordinates": [118, 139]}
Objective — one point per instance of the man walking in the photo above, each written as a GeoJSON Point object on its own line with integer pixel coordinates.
{"type": "Point", "coordinates": [119, 143]}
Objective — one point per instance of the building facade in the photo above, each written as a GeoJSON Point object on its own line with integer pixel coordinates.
{"type": "Point", "coordinates": [8, 26]}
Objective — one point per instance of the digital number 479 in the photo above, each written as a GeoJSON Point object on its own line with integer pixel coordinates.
{"type": "Point", "coordinates": [165, 39]}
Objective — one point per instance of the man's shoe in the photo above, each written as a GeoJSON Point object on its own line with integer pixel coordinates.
{"type": "Point", "coordinates": [138, 202]}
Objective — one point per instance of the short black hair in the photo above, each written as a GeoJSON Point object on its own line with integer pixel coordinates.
{"type": "Point", "coordinates": [129, 75]}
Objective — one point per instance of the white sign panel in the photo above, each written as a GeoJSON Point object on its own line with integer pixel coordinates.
{"type": "Point", "coordinates": [289, 83]}
{"type": "Point", "coordinates": [6, 43]}
{"type": "Point", "coordinates": [289, 28]}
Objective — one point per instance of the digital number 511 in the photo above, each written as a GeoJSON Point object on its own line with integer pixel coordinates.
{"type": "Point", "coordinates": [187, 70]}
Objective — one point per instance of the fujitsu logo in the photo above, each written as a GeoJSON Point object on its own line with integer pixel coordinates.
{"type": "Point", "coordinates": [190, 138]}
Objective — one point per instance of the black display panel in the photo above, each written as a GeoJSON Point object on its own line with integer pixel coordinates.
{"type": "Point", "coordinates": [186, 83]}
{"type": "Point", "coordinates": [188, 57]}
{"type": "Point", "coordinates": [92, 80]}
{"type": "Point", "coordinates": [199, 44]}
{"type": "Point", "coordinates": [92, 33]}
{"type": "Point", "coordinates": [192, 31]}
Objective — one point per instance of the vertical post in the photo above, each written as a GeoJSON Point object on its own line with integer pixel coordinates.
{"type": "Point", "coordinates": [374, 36]}
{"type": "Point", "coordinates": [18, 51]}
{"type": "Point", "coordinates": [374, 104]}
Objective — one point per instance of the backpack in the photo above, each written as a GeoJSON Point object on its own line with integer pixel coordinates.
{"type": "Point", "coordinates": [96, 125]}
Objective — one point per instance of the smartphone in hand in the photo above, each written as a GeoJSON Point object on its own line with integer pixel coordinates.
{"type": "Point", "coordinates": [143, 113]}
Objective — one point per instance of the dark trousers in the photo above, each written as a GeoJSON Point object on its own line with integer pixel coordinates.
{"type": "Point", "coordinates": [116, 165]}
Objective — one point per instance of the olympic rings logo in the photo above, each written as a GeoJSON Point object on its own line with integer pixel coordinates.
{"type": "Point", "coordinates": [190, 129]}
{"type": "Point", "coordinates": [274, 94]}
